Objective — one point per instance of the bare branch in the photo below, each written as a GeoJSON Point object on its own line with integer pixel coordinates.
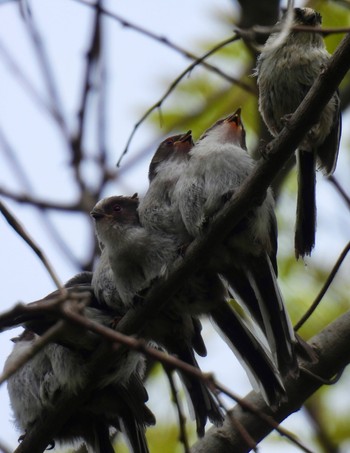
{"type": "Point", "coordinates": [182, 419]}
{"type": "Point", "coordinates": [44, 64]}
{"type": "Point", "coordinates": [38, 344]}
{"type": "Point", "coordinates": [171, 88]}
{"type": "Point", "coordinates": [165, 41]}
{"type": "Point", "coordinates": [324, 289]}
{"type": "Point", "coordinates": [332, 345]}
{"type": "Point", "coordinates": [339, 188]}
{"type": "Point", "coordinates": [15, 224]}
{"type": "Point", "coordinates": [38, 203]}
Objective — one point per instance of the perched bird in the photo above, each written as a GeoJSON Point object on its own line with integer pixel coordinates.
{"type": "Point", "coordinates": [137, 258]}
{"type": "Point", "coordinates": [61, 370]}
{"type": "Point", "coordinates": [57, 372]}
{"type": "Point", "coordinates": [156, 209]}
{"type": "Point", "coordinates": [218, 165]}
{"type": "Point", "coordinates": [286, 69]}
{"type": "Point", "coordinates": [159, 211]}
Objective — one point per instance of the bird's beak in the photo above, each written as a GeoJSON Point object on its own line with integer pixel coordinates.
{"type": "Point", "coordinates": [235, 118]}
{"type": "Point", "coordinates": [186, 137]}
{"type": "Point", "coordinates": [97, 214]}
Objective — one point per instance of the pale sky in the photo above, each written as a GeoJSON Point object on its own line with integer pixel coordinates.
{"type": "Point", "coordinates": [137, 71]}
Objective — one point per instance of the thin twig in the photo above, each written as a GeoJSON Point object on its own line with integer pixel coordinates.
{"type": "Point", "coordinates": [37, 345]}
{"type": "Point", "coordinates": [182, 419]}
{"type": "Point", "coordinates": [27, 85]}
{"type": "Point", "coordinates": [39, 203]}
{"type": "Point", "coordinates": [249, 441]}
{"type": "Point", "coordinates": [165, 41]}
{"type": "Point", "coordinates": [324, 289]}
{"type": "Point", "coordinates": [92, 59]}
{"type": "Point", "coordinates": [44, 64]}
{"type": "Point", "coordinates": [168, 361]}
{"type": "Point", "coordinates": [15, 224]}
{"type": "Point", "coordinates": [339, 188]}
{"type": "Point", "coordinates": [171, 88]}
{"type": "Point", "coordinates": [266, 418]}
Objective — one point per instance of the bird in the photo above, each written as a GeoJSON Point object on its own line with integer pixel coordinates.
{"type": "Point", "coordinates": [286, 69]}
{"type": "Point", "coordinates": [61, 370]}
{"type": "Point", "coordinates": [156, 209]}
{"type": "Point", "coordinates": [219, 163]}
{"type": "Point", "coordinates": [57, 372]}
{"type": "Point", "coordinates": [207, 295]}
{"type": "Point", "coordinates": [138, 258]}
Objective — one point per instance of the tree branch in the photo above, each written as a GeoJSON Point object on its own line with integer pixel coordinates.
{"type": "Point", "coordinates": [332, 345]}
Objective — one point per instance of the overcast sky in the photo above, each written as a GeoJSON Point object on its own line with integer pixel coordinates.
{"type": "Point", "coordinates": [137, 69]}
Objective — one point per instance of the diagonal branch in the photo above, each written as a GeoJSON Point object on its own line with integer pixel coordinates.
{"type": "Point", "coordinates": [165, 41]}
{"type": "Point", "coordinates": [332, 345]}
{"type": "Point", "coordinates": [25, 236]}
{"type": "Point", "coordinates": [254, 187]}
{"type": "Point", "coordinates": [172, 87]}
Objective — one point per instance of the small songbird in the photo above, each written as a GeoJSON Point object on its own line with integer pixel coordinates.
{"type": "Point", "coordinates": [137, 258]}
{"type": "Point", "coordinates": [159, 211]}
{"type": "Point", "coordinates": [135, 247]}
{"type": "Point", "coordinates": [286, 70]}
{"type": "Point", "coordinates": [218, 165]}
{"type": "Point", "coordinates": [57, 372]}
{"type": "Point", "coordinates": [156, 209]}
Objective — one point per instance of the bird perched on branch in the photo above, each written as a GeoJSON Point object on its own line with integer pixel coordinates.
{"type": "Point", "coordinates": [62, 369]}
{"type": "Point", "coordinates": [287, 67]}
{"type": "Point", "coordinates": [137, 258]}
{"type": "Point", "coordinates": [159, 211]}
{"type": "Point", "coordinates": [56, 373]}
{"type": "Point", "coordinates": [156, 209]}
{"type": "Point", "coordinates": [218, 165]}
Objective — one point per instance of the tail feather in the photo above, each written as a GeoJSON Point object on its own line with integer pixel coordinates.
{"type": "Point", "coordinates": [202, 403]}
{"type": "Point", "coordinates": [305, 228]}
{"type": "Point", "coordinates": [244, 293]}
{"type": "Point", "coordinates": [277, 323]}
{"type": "Point", "coordinates": [102, 441]}
{"type": "Point", "coordinates": [135, 434]}
{"type": "Point", "coordinates": [251, 352]}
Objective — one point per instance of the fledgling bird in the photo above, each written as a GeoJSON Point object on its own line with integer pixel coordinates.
{"type": "Point", "coordinates": [219, 163]}
{"type": "Point", "coordinates": [286, 70]}
{"type": "Point", "coordinates": [159, 211]}
{"type": "Point", "coordinates": [156, 209]}
{"type": "Point", "coordinates": [131, 246]}
{"type": "Point", "coordinates": [137, 258]}
{"type": "Point", "coordinates": [57, 372]}
{"type": "Point", "coordinates": [61, 368]}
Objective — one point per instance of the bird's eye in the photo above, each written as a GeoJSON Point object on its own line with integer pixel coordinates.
{"type": "Point", "coordinates": [117, 208]}
{"type": "Point", "coordinates": [169, 141]}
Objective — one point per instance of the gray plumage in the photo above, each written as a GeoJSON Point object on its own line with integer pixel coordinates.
{"type": "Point", "coordinates": [206, 295]}
{"type": "Point", "coordinates": [61, 369]}
{"type": "Point", "coordinates": [218, 165]}
{"type": "Point", "coordinates": [137, 258]}
{"type": "Point", "coordinates": [286, 70]}
{"type": "Point", "coordinates": [57, 372]}
{"type": "Point", "coordinates": [156, 209]}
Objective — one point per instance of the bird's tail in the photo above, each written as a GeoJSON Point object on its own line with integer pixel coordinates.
{"type": "Point", "coordinates": [202, 403]}
{"type": "Point", "coordinates": [305, 228]}
{"type": "Point", "coordinates": [278, 327]}
{"type": "Point", "coordinates": [251, 352]}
